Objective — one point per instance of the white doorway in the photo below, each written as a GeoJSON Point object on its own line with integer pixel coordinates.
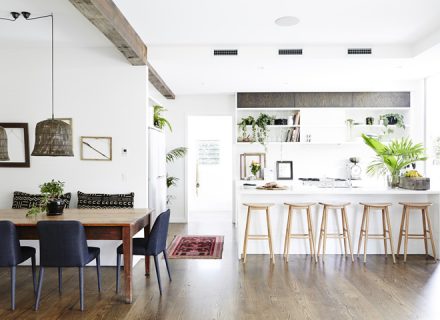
{"type": "Point", "coordinates": [209, 168]}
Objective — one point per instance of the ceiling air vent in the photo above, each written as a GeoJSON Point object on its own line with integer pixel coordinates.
{"type": "Point", "coordinates": [233, 52]}
{"type": "Point", "coordinates": [360, 51]}
{"type": "Point", "coordinates": [290, 52]}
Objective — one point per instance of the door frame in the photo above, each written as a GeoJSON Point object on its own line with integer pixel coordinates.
{"type": "Point", "coordinates": [187, 116]}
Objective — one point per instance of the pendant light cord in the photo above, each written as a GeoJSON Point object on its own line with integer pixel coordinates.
{"type": "Point", "coordinates": [52, 55]}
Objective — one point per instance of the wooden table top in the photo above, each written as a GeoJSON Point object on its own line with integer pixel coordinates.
{"type": "Point", "coordinates": [88, 217]}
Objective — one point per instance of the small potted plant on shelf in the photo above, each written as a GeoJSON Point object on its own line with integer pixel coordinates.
{"type": "Point", "coordinates": [391, 119]}
{"type": "Point", "coordinates": [248, 121]}
{"type": "Point", "coordinates": [391, 159]}
{"type": "Point", "coordinates": [158, 120]}
{"type": "Point", "coordinates": [262, 122]}
{"type": "Point", "coordinates": [51, 201]}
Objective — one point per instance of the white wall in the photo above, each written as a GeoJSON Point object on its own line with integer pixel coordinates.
{"type": "Point", "coordinates": [104, 95]}
{"type": "Point", "coordinates": [432, 127]}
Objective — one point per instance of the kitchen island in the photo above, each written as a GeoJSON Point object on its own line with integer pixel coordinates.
{"type": "Point", "coordinates": [354, 195]}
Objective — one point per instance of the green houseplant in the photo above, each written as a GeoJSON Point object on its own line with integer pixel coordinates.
{"type": "Point", "coordinates": [248, 121]}
{"type": "Point", "coordinates": [158, 120]}
{"type": "Point", "coordinates": [51, 201]}
{"type": "Point", "coordinates": [262, 122]}
{"type": "Point", "coordinates": [172, 156]}
{"type": "Point", "coordinates": [392, 119]}
{"type": "Point", "coordinates": [391, 159]}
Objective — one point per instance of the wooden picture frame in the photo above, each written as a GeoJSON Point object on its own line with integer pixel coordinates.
{"type": "Point", "coordinates": [18, 145]}
{"type": "Point", "coordinates": [284, 170]}
{"type": "Point", "coordinates": [96, 148]}
{"type": "Point", "coordinates": [246, 159]}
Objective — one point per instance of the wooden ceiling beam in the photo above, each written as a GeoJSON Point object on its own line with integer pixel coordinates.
{"type": "Point", "coordinates": [107, 17]}
{"type": "Point", "coordinates": [158, 83]}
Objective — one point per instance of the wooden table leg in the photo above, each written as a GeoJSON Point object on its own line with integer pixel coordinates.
{"type": "Point", "coordinates": [128, 263]}
{"type": "Point", "coordinates": [147, 258]}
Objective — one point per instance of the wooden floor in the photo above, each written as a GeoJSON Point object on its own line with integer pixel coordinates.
{"type": "Point", "coordinates": [225, 289]}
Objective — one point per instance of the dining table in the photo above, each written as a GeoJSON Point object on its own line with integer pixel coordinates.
{"type": "Point", "coordinates": [99, 224]}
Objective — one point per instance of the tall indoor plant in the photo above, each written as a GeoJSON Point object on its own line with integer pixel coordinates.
{"type": "Point", "coordinates": [392, 158]}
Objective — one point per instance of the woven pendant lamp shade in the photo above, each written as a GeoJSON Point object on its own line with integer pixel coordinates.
{"type": "Point", "coordinates": [53, 138]}
{"type": "Point", "coordinates": [4, 156]}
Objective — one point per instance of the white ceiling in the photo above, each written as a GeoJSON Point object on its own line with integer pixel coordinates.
{"type": "Point", "coordinates": [180, 35]}
{"type": "Point", "coordinates": [251, 22]}
{"type": "Point", "coordinates": [71, 28]}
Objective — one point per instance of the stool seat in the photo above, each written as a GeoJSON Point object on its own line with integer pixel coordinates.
{"type": "Point", "coordinates": [335, 205]}
{"type": "Point", "coordinates": [376, 204]}
{"type": "Point", "coordinates": [416, 204]}
{"type": "Point", "coordinates": [298, 205]}
{"type": "Point", "coordinates": [259, 205]}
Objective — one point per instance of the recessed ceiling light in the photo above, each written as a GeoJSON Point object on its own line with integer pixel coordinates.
{"type": "Point", "coordinates": [287, 21]}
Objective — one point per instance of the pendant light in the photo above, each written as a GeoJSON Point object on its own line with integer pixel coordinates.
{"type": "Point", "coordinates": [4, 156]}
{"type": "Point", "coordinates": [53, 138]}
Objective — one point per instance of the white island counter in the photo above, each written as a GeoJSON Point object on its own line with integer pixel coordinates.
{"type": "Point", "coordinates": [299, 193]}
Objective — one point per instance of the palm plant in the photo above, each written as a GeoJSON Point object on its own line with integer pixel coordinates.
{"type": "Point", "coordinates": [175, 154]}
{"type": "Point", "coordinates": [172, 156]}
{"type": "Point", "coordinates": [392, 158]}
{"type": "Point", "coordinates": [158, 120]}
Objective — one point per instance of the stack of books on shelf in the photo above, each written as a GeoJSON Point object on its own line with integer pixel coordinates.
{"type": "Point", "coordinates": [293, 134]}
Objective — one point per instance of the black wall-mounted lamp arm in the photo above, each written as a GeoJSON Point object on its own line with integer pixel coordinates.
{"type": "Point", "coordinates": [14, 15]}
{"type": "Point", "coordinates": [27, 16]}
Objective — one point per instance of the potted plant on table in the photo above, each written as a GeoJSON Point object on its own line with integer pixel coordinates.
{"type": "Point", "coordinates": [51, 201]}
{"type": "Point", "coordinates": [391, 159]}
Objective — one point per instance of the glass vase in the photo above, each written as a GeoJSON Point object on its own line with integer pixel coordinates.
{"type": "Point", "coordinates": [393, 180]}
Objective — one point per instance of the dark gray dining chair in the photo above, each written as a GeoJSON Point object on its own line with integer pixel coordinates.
{"type": "Point", "coordinates": [153, 245]}
{"type": "Point", "coordinates": [64, 244]}
{"type": "Point", "coordinates": [12, 254]}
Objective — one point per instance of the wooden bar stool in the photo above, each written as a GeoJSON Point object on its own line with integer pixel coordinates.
{"type": "Point", "coordinates": [289, 235]}
{"type": "Point", "coordinates": [427, 228]}
{"type": "Point", "coordinates": [386, 227]}
{"type": "Point", "coordinates": [258, 207]}
{"type": "Point", "coordinates": [323, 235]}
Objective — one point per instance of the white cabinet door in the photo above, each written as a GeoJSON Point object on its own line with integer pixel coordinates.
{"type": "Point", "coordinates": [157, 191]}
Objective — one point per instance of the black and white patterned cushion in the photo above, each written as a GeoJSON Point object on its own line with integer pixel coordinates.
{"type": "Point", "coordinates": [24, 200]}
{"type": "Point", "coordinates": [102, 200]}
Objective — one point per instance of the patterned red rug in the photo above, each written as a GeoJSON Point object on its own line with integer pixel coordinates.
{"type": "Point", "coordinates": [196, 247]}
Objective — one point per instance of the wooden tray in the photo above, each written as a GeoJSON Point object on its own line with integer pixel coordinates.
{"type": "Point", "coordinates": [272, 188]}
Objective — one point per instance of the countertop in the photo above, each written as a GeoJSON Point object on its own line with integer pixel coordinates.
{"type": "Point", "coordinates": [304, 190]}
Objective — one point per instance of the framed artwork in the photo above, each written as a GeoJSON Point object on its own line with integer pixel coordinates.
{"type": "Point", "coordinates": [96, 148]}
{"type": "Point", "coordinates": [245, 164]}
{"type": "Point", "coordinates": [18, 145]}
{"type": "Point", "coordinates": [284, 170]}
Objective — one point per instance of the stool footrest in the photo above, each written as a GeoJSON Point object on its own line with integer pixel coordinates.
{"type": "Point", "coordinates": [377, 237]}
{"type": "Point", "coordinates": [299, 236]}
{"type": "Point", "coordinates": [258, 237]}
